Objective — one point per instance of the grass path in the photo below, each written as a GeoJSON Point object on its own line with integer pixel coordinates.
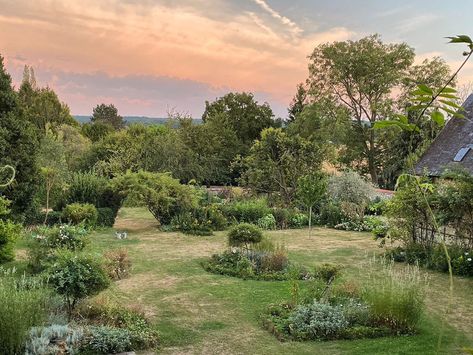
{"type": "Point", "coordinates": [200, 313]}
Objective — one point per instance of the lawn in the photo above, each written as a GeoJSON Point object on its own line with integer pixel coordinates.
{"type": "Point", "coordinates": [201, 313]}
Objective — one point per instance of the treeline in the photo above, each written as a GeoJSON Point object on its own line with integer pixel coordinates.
{"type": "Point", "coordinates": [351, 86]}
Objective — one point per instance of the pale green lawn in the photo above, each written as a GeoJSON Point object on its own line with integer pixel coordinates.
{"type": "Point", "coordinates": [200, 313]}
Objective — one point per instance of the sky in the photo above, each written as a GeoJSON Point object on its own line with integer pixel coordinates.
{"type": "Point", "coordinates": [151, 57]}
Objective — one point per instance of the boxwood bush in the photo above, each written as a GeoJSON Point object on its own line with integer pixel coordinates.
{"type": "Point", "coordinates": [77, 213]}
{"type": "Point", "coordinates": [244, 234]}
{"type": "Point", "coordinates": [247, 211]}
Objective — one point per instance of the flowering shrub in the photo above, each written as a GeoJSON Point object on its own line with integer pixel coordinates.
{"type": "Point", "coordinates": [117, 263]}
{"type": "Point", "coordinates": [267, 222]}
{"type": "Point", "coordinates": [463, 265]}
{"type": "Point", "coordinates": [257, 265]}
{"type": "Point", "coordinates": [435, 258]}
{"type": "Point", "coordinates": [355, 226]}
{"type": "Point", "coordinates": [44, 241]}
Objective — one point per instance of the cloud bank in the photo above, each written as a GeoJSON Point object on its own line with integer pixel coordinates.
{"type": "Point", "coordinates": [147, 56]}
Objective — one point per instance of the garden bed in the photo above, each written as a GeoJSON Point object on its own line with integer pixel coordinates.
{"type": "Point", "coordinates": [256, 266]}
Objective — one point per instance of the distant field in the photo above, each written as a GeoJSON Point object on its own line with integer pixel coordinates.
{"type": "Point", "coordinates": [136, 119]}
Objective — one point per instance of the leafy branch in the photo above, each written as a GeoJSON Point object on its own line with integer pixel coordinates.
{"type": "Point", "coordinates": [439, 102]}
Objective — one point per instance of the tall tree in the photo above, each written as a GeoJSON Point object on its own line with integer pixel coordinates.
{"type": "Point", "coordinates": [298, 103]}
{"type": "Point", "coordinates": [278, 160]}
{"type": "Point", "coordinates": [42, 106]}
{"type": "Point", "coordinates": [18, 146]}
{"type": "Point", "coordinates": [242, 113]}
{"type": "Point", "coordinates": [108, 114]}
{"type": "Point", "coordinates": [361, 76]}
{"type": "Point", "coordinates": [53, 169]}
{"type": "Point", "coordinates": [311, 191]}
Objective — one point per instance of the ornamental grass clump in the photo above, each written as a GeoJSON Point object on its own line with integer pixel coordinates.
{"type": "Point", "coordinates": [23, 304]}
{"type": "Point", "coordinates": [395, 297]}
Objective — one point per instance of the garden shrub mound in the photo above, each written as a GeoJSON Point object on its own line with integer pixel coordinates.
{"type": "Point", "coordinates": [256, 265]}
{"type": "Point", "coordinates": [433, 257]}
{"type": "Point", "coordinates": [252, 256]}
{"type": "Point", "coordinates": [389, 303]}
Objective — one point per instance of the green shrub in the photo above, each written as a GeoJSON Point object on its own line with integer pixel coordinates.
{"type": "Point", "coordinates": [299, 220]}
{"type": "Point", "coordinates": [44, 241]}
{"type": "Point", "coordinates": [327, 272]}
{"type": "Point", "coordinates": [77, 213]}
{"type": "Point", "coordinates": [247, 211]}
{"type": "Point", "coordinates": [54, 339]}
{"type": "Point", "coordinates": [356, 312]}
{"type": "Point", "coordinates": [215, 215]}
{"type": "Point", "coordinates": [317, 321]}
{"type": "Point", "coordinates": [275, 261]}
{"type": "Point", "coordinates": [76, 277]}
{"type": "Point", "coordinates": [23, 304]}
{"type": "Point", "coordinates": [54, 218]}
{"type": "Point", "coordinates": [376, 206]}
{"type": "Point", "coordinates": [395, 297]}
{"type": "Point", "coordinates": [330, 214]}
{"type": "Point", "coordinates": [188, 223]}
{"type": "Point", "coordinates": [4, 207]}
{"type": "Point", "coordinates": [103, 312]}
{"type": "Point", "coordinates": [351, 192]}
{"type": "Point", "coordinates": [461, 260]}
{"type": "Point", "coordinates": [107, 340]}
{"type": "Point", "coordinates": [105, 217]}
{"type": "Point", "coordinates": [283, 217]}
{"type": "Point", "coordinates": [9, 232]}
{"type": "Point", "coordinates": [417, 253]}
{"type": "Point", "coordinates": [267, 222]}
{"type": "Point", "coordinates": [463, 264]}
{"type": "Point", "coordinates": [88, 188]}
{"type": "Point", "coordinates": [244, 234]}
{"type": "Point", "coordinates": [269, 266]}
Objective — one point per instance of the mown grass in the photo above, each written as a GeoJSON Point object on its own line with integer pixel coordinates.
{"type": "Point", "coordinates": [201, 313]}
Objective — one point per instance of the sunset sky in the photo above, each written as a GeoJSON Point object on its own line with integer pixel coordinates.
{"type": "Point", "coordinates": [151, 56]}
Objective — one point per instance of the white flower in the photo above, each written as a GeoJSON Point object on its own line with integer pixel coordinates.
{"type": "Point", "coordinates": [469, 259]}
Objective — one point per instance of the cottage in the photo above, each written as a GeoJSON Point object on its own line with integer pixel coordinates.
{"type": "Point", "coordinates": [453, 147]}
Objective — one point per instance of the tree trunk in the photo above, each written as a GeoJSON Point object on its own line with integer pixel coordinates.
{"type": "Point", "coordinates": [48, 189]}
{"type": "Point", "coordinates": [371, 160]}
{"type": "Point", "coordinates": [310, 221]}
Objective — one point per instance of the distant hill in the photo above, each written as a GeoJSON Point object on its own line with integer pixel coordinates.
{"type": "Point", "coordinates": [135, 119]}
